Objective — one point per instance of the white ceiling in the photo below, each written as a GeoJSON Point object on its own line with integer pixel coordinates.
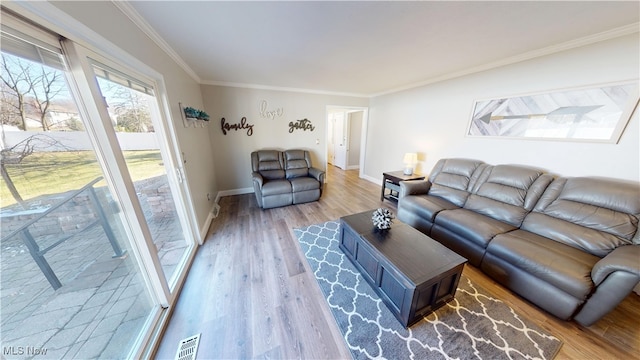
{"type": "Point", "coordinates": [364, 47]}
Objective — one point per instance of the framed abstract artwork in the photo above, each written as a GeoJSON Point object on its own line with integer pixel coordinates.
{"type": "Point", "coordinates": [595, 114]}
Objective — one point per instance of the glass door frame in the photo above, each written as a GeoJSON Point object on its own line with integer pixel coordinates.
{"type": "Point", "coordinates": [92, 105]}
{"type": "Point", "coordinates": [103, 139]}
{"type": "Point", "coordinates": [165, 135]}
{"type": "Point", "coordinates": [81, 64]}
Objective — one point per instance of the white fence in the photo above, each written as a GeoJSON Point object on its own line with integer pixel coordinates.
{"type": "Point", "coordinates": [77, 140]}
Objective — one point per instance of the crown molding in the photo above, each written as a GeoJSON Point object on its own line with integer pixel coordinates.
{"type": "Point", "coordinates": [282, 88]}
{"type": "Point", "coordinates": [62, 24]}
{"type": "Point", "coordinates": [549, 50]}
{"type": "Point", "coordinates": [143, 25]}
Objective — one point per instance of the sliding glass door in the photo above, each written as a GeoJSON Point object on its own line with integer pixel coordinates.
{"type": "Point", "coordinates": [136, 119]}
{"type": "Point", "coordinates": [95, 228]}
{"type": "Point", "coordinates": [71, 287]}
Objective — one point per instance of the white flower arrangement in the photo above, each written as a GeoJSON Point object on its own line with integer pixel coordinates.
{"type": "Point", "coordinates": [382, 218]}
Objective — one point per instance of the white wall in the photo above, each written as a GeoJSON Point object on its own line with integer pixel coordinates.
{"type": "Point", "coordinates": [107, 21]}
{"type": "Point", "coordinates": [432, 120]}
{"type": "Point", "coordinates": [232, 152]}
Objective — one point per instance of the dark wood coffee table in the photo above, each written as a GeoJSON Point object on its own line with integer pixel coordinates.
{"type": "Point", "coordinates": [412, 273]}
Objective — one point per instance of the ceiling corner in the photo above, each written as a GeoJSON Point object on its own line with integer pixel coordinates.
{"type": "Point", "coordinates": [139, 21]}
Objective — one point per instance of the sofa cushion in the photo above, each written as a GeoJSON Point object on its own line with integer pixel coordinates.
{"type": "Point", "coordinates": [268, 163]}
{"type": "Point", "coordinates": [476, 228]}
{"type": "Point", "coordinates": [452, 179]}
{"type": "Point", "coordinates": [276, 187]}
{"type": "Point", "coordinates": [297, 172]}
{"type": "Point", "coordinates": [304, 183]}
{"type": "Point", "coordinates": [563, 266]}
{"type": "Point", "coordinates": [425, 206]}
{"type": "Point", "coordinates": [296, 163]}
{"type": "Point", "coordinates": [592, 214]}
{"type": "Point", "coordinates": [507, 192]}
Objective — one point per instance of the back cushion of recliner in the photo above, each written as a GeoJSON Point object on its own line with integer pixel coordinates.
{"type": "Point", "coordinates": [268, 172]}
{"type": "Point", "coordinates": [294, 173]}
{"type": "Point", "coordinates": [452, 179]}
{"type": "Point", "coordinates": [269, 164]}
{"type": "Point", "coordinates": [296, 164]}
{"type": "Point", "coordinates": [507, 192]}
{"type": "Point", "coordinates": [593, 214]}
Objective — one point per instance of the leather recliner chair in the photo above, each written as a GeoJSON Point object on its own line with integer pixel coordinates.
{"type": "Point", "coordinates": [285, 178]}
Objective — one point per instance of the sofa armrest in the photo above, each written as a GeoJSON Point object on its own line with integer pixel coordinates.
{"type": "Point", "coordinates": [257, 179]}
{"type": "Point", "coordinates": [414, 187]}
{"type": "Point", "coordinates": [317, 174]}
{"type": "Point", "coordinates": [615, 276]}
{"type": "Point", "coordinates": [624, 258]}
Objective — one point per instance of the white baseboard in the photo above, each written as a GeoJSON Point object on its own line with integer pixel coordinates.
{"type": "Point", "coordinates": [241, 191]}
{"type": "Point", "coordinates": [213, 213]}
{"type": "Point", "coordinates": [353, 167]}
{"type": "Point", "coordinates": [372, 179]}
{"type": "Point", "coordinates": [205, 228]}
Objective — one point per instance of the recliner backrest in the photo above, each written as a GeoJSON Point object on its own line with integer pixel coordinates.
{"type": "Point", "coordinates": [296, 163]}
{"type": "Point", "coordinates": [268, 163]}
{"type": "Point", "coordinates": [452, 179]}
{"type": "Point", "coordinates": [596, 215]}
{"type": "Point", "coordinates": [507, 192]}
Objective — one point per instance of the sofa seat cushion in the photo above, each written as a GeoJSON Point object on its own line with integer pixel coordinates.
{"type": "Point", "coordinates": [304, 183]}
{"type": "Point", "coordinates": [474, 227]}
{"type": "Point", "coordinates": [563, 266]}
{"type": "Point", "coordinates": [424, 206]}
{"type": "Point", "coordinates": [276, 187]}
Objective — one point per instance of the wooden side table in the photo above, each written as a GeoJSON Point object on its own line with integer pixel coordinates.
{"type": "Point", "coordinates": [391, 180]}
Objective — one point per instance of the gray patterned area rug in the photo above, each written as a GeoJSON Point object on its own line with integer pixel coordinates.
{"type": "Point", "coordinates": [472, 326]}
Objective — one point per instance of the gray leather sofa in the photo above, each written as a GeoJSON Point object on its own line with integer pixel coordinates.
{"type": "Point", "coordinates": [282, 178]}
{"type": "Point", "coordinates": [570, 245]}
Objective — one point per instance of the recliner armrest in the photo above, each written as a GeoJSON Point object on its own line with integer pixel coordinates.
{"type": "Point", "coordinates": [624, 258]}
{"type": "Point", "coordinates": [414, 187]}
{"type": "Point", "coordinates": [317, 174]}
{"type": "Point", "coordinates": [615, 276]}
{"type": "Point", "coordinates": [257, 178]}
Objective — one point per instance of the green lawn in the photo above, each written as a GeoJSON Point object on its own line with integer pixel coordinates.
{"type": "Point", "coordinates": [56, 172]}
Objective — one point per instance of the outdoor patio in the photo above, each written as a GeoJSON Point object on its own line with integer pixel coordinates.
{"type": "Point", "coordinates": [102, 303]}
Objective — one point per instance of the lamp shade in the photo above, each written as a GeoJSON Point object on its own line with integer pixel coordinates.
{"type": "Point", "coordinates": [410, 158]}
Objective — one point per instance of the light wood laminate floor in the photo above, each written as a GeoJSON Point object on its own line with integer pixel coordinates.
{"type": "Point", "coordinates": [250, 292]}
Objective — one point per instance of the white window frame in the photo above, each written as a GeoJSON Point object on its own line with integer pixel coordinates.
{"type": "Point", "coordinates": [84, 39]}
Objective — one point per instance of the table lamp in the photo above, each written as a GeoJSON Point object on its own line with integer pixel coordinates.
{"type": "Point", "coordinates": [410, 160]}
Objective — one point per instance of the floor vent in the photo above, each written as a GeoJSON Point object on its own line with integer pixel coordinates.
{"type": "Point", "coordinates": [188, 348]}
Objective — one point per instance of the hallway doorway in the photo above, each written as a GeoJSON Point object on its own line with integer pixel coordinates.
{"type": "Point", "coordinates": [346, 137]}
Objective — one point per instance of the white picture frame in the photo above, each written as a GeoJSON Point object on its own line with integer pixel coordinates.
{"type": "Point", "coordinates": [189, 122]}
{"type": "Point", "coordinates": [596, 113]}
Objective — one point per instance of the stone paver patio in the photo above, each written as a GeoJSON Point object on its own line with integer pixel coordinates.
{"type": "Point", "coordinates": [102, 304]}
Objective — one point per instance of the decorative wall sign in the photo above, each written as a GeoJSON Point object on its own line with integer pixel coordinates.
{"type": "Point", "coordinates": [597, 114]}
{"type": "Point", "coordinates": [193, 117]}
{"type": "Point", "coordinates": [303, 125]}
{"type": "Point", "coordinates": [242, 125]}
{"type": "Point", "coordinates": [269, 114]}
{"type": "Point", "coordinates": [193, 113]}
